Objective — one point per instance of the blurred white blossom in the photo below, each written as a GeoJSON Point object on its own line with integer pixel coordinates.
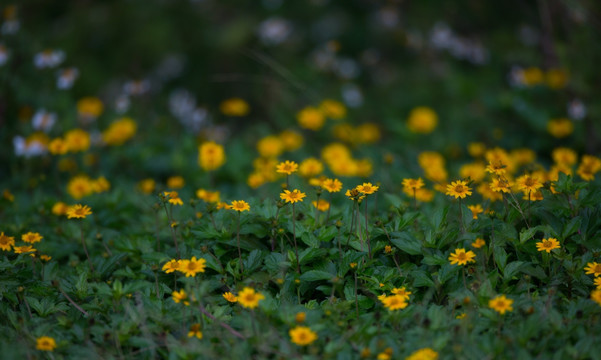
{"type": "Point", "coordinates": [48, 58]}
{"type": "Point", "coordinates": [43, 120]}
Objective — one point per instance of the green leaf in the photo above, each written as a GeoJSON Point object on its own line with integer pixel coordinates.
{"type": "Point", "coordinates": [511, 269]}
{"type": "Point", "coordinates": [316, 275]}
{"type": "Point", "coordinates": [422, 279]}
{"type": "Point", "coordinates": [407, 243]}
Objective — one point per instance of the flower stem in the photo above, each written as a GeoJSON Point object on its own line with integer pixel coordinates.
{"type": "Point", "coordinates": [85, 249]}
{"type": "Point", "coordinates": [238, 243]}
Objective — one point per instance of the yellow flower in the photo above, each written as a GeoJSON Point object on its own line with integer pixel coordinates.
{"type": "Point", "coordinates": [411, 185]}
{"type": "Point", "coordinates": [58, 147]}
{"type": "Point", "coordinates": [240, 205]}
{"type": "Point", "coordinates": [321, 205]}
{"type": "Point", "coordinates": [461, 316]}
{"type": "Point", "coordinates": [478, 243]}
{"type": "Point", "coordinates": [173, 198]}
{"type": "Point", "coordinates": [249, 298]}
{"type": "Point", "coordinates": [501, 304]}
{"type": "Point", "coordinates": [310, 167]}
{"type": "Point", "coordinates": [192, 267]}
{"type": "Point", "coordinates": [180, 296]}
{"type": "Point", "coordinates": [100, 185]}
{"type": "Point", "coordinates": [592, 268]}
{"type": "Point", "coordinates": [270, 146]}
{"type": "Point", "coordinates": [423, 354]}
{"type": "Point", "coordinates": [564, 156]}
{"type": "Point", "coordinates": [210, 156]}
{"type": "Point", "coordinates": [292, 196]}
{"type": "Point", "coordinates": [597, 282]}
{"type": "Point", "coordinates": [353, 265]}
{"type": "Point", "coordinates": [78, 211]}
{"type": "Point", "coordinates": [77, 140]}
{"type": "Point", "coordinates": [287, 167]}
{"type": "Point", "coordinates": [332, 185]}
{"type": "Point", "coordinates": [45, 257]}
{"type": "Point", "coordinates": [596, 296]}
{"type": "Point", "coordinates": [589, 166]}
{"type": "Point", "coordinates": [31, 237]}
{"type": "Point", "coordinates": [333, 109]}
{"type": "Point", "coordinates": [291, 139]}
{"type": "Point", "coordinates": [234, 107]}
{"type": "Point", "coordinates": [500, 184]}
{"type": "Point", "coordinates": [401, 292]}
{"type": "Point", "coordinates": [528, 184]}
{"type": "Point", "coordinates": [556, 78]}
{"type": "Point", "coordinates": [354, 194]}
{"type": "Point", "coordinates": [230, 297]}
{"type": "Point", "coordinates": [474, 171]}
{"type": "Point", "coordinates": [496, 167]}
{"type": "Point", "coordinates": [422, 120]}
{"type": "Point", "coordinates": [147, 186]}
{"type": "Point", "coordinates": [458, 189]}
{"type": "Point", "coordinates": [476, 210]}
{"type": "Point", "coordinates": [171, 266]}
{"type": "Point", "coordinates": [367, 188]}
{"type": "Point", "coordinates": [6, 242]}
{"type": "Point", "coordinates": [424, 195]}
{"type": "Point", "coordinates": [208, 196]}
{"type": "Point", "coordinates": [80, 186]}
{"type": "Point", "coordinates": [90, 107]}
{"type": "Point", "coordinates": [395, 302]}
{"type": "Point", "coordinates": [119, 131]}
{"type": "Point", "coordinates": [300, 317]}
{"type": "Point", "coordinates": [368, 133]}
{"type": "Point", "coordinates": [45, 343]}
{"type": "Point", "coordinates": [560, 128]}
{"type": "Point", "coordinates": [60, 208]}
{"type": "Point", "coordinates": [387, 249]}
{"type": "Point", "coordinates": [23, 249]}
{"type": "Point", "coordinates": [547, 245]}
{"type": "Point", "coordinates": [310, 118]}
{"type": "Point", "coordinates": [302, 335]}
{"type": "Point", "coordinates": [535, 196]}
{"type": "Point", "coordinates": [175, 182]}
{"type": "Point", "coordinates": [384, 356]}
{"type": "Point", "coordinates": [461, 257]}
{"type": "Point", "coordinates": [195, 331]}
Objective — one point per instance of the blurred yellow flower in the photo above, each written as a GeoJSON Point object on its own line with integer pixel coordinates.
{"type": "Point", "coordinates": [234, 107]}
{"type": "Point", "coordinates": [333, 109]}
{"type": "Point", "coordinates": [80, 186]}
{"type": "Point", "coordinates": [270, 146]}
{"type": "Point", "coordinates": [175, 182]}
{"type": "Point", "coordinates": [195, 331]}
{"type": "Point", "coordinates": [6, 242]}
{"type": "Point", "coordinates": [45, 343]}
{"type": "Point", "coordinates": [147, 186]}
{"type": "Point", "coordinates": [119, 131]}
{"type": "Point", "coordinates": [291, 139]}
{"type": "Point", "coordinates": [310, 167]}
{"type": "Point", "coordinates": [31, 237]}
{"type": "Point", "coordinates": [310, 118]}
{"type": "Point", "coordinates": [90, 107]}
{"type": "Point", "coordinates": [249, 298]}
{"type": "Point", "coordinates": [77, 140]}
{"type": "Point", "coordinates": [211, 156]}
{"type": "Point", "coordinates": [302, 335]}
{"type": "Point", "coordinates": [560, 128]}
{"type": "Point", "coordinates": [501, 304]}
{"type": "Point", "coordinates": [422, 120]}
{"type": "Point", "coordinates": [78, 211]}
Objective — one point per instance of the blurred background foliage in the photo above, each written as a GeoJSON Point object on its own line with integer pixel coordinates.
{"type": "Point", "coordinates": [382, 58]}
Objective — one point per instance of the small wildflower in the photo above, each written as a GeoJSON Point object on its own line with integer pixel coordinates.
{"type": "Point", "coordinates": [401, 292]}
{"type": "Point", "coordinates": [23, 249]}
{"type": "Point", "coordinates": [458, 189]}
{"type": "Point", "coordinates": [332, 185]}
{"type": "Point", "coordinates": [367, 188]}
{"type": "Point", "coordinates": [476, 210]}
{"type": "Point", "coordinates": [496, 167]}
{"type": "Point", "coordinates": [192, 267]}
{"type": "Point", "coordinates": [287, 167]}
{"type": "Point", "coordinates": [302, 335]}
{"type": "Point", "coordinates": [234, 107]}
{"type": "Point", "coordinates": [478, 243]}
{"type": "Point", "coordinates": [300, 317]}
{"type": "Point", "coordinates": [230, 297]}
{"type": "Point", "coordinates": [547, 245]}
{"type": "Point", "coordinates": [387, 249]}
{"type": "Point", "coordinates": [422, 120]}
{"type": "Point", "coordinates": [528, 184]}
{"type": "Point", "coordinates": [180, 296]}
{"type": "Point", "coordinates": [171, 266]}
{"type": "Point", "coordinates": [249, 298]}
{"type": "Point", "coordinates": [6, 242]}
{"type": "Point", "coordinates": [60, 208]}
{"type": "Point", "coordinates": [461, 257]}
{"type": "Point", "coordinates": [45, 257]}
{"type": "Point", "coordinates": [78, 211]}
{"type": "Point", "coordinates": [395, 302]}
{"type": "Point", "coordinates": [592, 268]}
{"type": "Point", "coordinates": [195, 331]}
{"type": "Point", "coordinates": [500, 185]}
{"type": "Point", "coordinates": [423, 354]}
{"type": "Point", "coordinates": [45, 343]}
{"type": "Point", "coordinates": [596, 296]}
{"type": "Point", "coordinates": [31, 237]}
{"type": "Point", "coordinates": [240, 205]}
{"type": "Point", "coordinates": [211, 156]}
{"type": "Point", "coordinates": [501, 304]}
{"type": "Point", "coordinates": [292, 196]}
{"type": "Point", "coordinates": [173, 198]}
{"type": "Point", "coordinates": [411, 185]}
{"type": "Point", "coordinates": [321, 205]}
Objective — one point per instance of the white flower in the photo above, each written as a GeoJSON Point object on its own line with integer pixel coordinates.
{"type": "Point", "coordinates": [28, 148]}
{"type": "Point", "coordinates": [274, 31]}
{"type": "Point", "coordinates": [136, 87]}
{"type": "Point", "coordinates": [43, 120]}
{"type": "Point", "coordinates": [48, 58]}
{"type": "Point", "coordinates": [66, 78]}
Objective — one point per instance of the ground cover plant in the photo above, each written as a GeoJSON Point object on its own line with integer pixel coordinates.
{"type": "Point", "coordinates": [310, 180]}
